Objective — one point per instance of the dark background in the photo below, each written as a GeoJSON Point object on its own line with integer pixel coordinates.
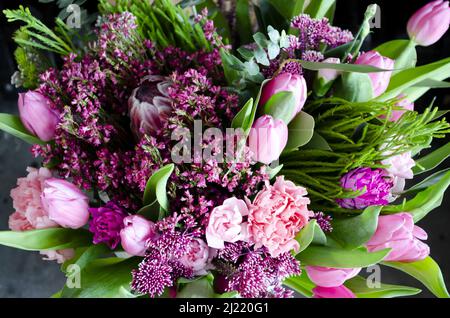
{"type": "Point", "coordinates": [24, 274]}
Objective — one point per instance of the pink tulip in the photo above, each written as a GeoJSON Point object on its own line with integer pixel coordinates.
{"type": "Point", "coordinates": [380, 80]}
{"type": "Point", "coordinates": [330, 277]}
{"type": "Point", "coordinates": [286, 82]}
{"type": "Point", "coordinates": [329, 74]}
{"type": "Point", "coordinates": [429, 23]}
{"type": "Point", "coordinates": [399, 233]}
{"type": "Point", "coordinates": [149, 105]}
{"type": "Point", "coordinates": [65, 203]}
{"type": "Point", "coordinates": [403, 103]}
{"type": "Point", "coordinates": [333, 292]}
{"type": "Point", "coordinates": [37, 115]}
{"type": "Point", "coordinates": [136, 233]}
{"type": "Point", "coordinates": [267, 139]}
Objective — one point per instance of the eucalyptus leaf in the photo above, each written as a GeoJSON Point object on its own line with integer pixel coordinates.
{"type": "Point", "coordinates": [353, 232]}
{"type": "Point", "coordinates": [432, 160]}
{"type": "Point", "coordinates": [13, 125]}
{"type": "Point", "coordinates": [273, 172]}
{"type": "Point", "coordinates": [354, 87]}
{"type": "Point", "coordinates": [46, 239]}
{"type": "Point", "coordinates": [426, 271]}
{"type": "Point", "coordinates": [301, 130]}
{"type": "Point", "coordinates": [156, 187]}
{"type": "Point", "coordinates": [340, 258]}
{"type": "Point", "coordinates": [317, 142]}
{"type": "Point", "coordinates": [424, 202]}
{"type": "Point", "coordinates": [358, 285]}
{"type": "Point", "coordinates": [281, 106]}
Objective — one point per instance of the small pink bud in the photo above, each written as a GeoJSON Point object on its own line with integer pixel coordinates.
{"type": "Point", "coordinates": [380, 80]}
{"type": "Point", "coordinates": [329, 74]}
{"type": "Point", "coordinates": [135, 234]}
{"type": "Point", "coordinates": [38, 115]}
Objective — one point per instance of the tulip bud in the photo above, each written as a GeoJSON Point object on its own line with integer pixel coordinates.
{"type": "Point", "coordinates": [333, 292]}
{"type": "Point", "coordinates": [38, 115]}
{"type": "Point", "coordinates": [330, 277]}
{"type": "Point", "coordinates": [286, 82]}
{"type": "Point", "coordinates": [268, 138]}
{"type": "Point", "coordinates": [329, 75]}
{"type": "Point", "coordinates": [380, 80]}
{"type": "Point", "coordinates": [135, 234]}
{"type": "Point", "coordinates": [65, 203]}
{"type": "Point", "coordinates": [429, 24]}
{"type": "Point", "coordinates": [149, 105]}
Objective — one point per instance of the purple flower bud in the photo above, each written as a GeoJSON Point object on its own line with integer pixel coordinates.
{"type": "Point", "coordinates": [37, 115]}
{"type": "Point", "coordinates": [286, 82]}
{"type": "Point", "coordinates": [65, 203]}
{"type": "Point", "coordinates": [376, 182]}
{"type": "Point", "coordinates": [380, 80]}
{"type": "Point", "coordinates": [268, 138]}
{"type": "Point", "coordinates": [149, 105]}
{"type": "Point", "coordinates": [429, 24]}
{"type": "Point", "coordinates": [106, 224]}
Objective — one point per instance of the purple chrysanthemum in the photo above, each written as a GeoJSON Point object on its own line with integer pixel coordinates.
{"type": "Point", "coordinates": [377, 185]}
{"type": "Point", "coordinates": [106, 223]}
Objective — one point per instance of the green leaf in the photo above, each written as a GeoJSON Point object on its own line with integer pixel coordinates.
{"type": "Point", "coordinates": [243, 22]}
{"type": "Point", "coordinates": [151, 211]}
{"type": "Point", "coordinates": [199, 288]}
{"type": "Point", "coordinates": [352, 68]}
{"type": "Point", "coordinates": [288, 9]}
{"type": "Point", "coordinates": [403, 81]}
{"type": "Point", "coordinates": [431, 83]}
{"type": "Point", "coordinates": [104, 278]}
{"type": "Point", "coordinates": [432, 160]}
{"type": "Point", "coordinates": [358, 285]}
{"type": "Point", "coordinates": [428, 182]}
{"type": "Point", "coordinates": [402, 51]}
{"type": "Point", "coordinates": [84, 256]}
{"type": "Point", "coordinates": [244, 119]}
{"type": "Point", "coordinates": [46, 239]}
{"type": "Point", "coordinates": [156, 187]}
{"type": "Point", "coordinates": [272, 173]}
{"type": "Point", "coordinates": [281, 106]}
{"type": "Point", "coordinates": [301, 284]}
{"type": "Point", "coordinates": [317, 142]}
{"type": "Point", "coordinates": [339, 258]}
{"type": "Point", "coordinates": [424, 202]}
{"type": "Point", "coordinates": [310, 234]}
{"type": "Point", "coordinates": [354, 87]}
{"type": "Point", "coordinates": [427, 272]}
{"type": "Point", "coordinates": [301, 130]}
{"type": "Point", "coordinates": [318, 9]}
{"type": "Point", "coordinates": [13, 125]}
{"type": "Point", "coordinates": [353, 232]}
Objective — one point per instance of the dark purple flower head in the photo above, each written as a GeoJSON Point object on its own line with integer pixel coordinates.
{"type": "Point", "coordinates": [324, 221]}
{"type": "Point", "coordinates": [106, 223]}
{"type": "Point", "coordinates": [377, 186]}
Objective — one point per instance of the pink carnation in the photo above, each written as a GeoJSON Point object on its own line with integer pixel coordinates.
{"type": "Point", "coordinates": [30, 213]}
{"type": "Point", "coordinates": [196, 257]}
{"type": "Point", "coordinates": [277, 214]}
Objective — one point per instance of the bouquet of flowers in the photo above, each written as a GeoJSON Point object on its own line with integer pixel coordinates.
{"type": "Point", "coordinates": [201, 149]}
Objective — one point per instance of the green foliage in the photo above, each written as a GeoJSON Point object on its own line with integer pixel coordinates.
{"type": "Point", "coordinates": [426, 271]}
{"type": "Point", "coordinates": [301, 131]}
{"type": "Point", "coordinates": [281, 106]}
{"type": "Point", "coordinates": [403, 52]}
{"type": "Point", "coordinates": [301, 284]}
{"type": "Point", "coordinates": [310, 234]}
{"type": "Point", "coordinates": [358, 285]}
{"type": "Point", "coordinates": [432, 160]}
{"type": "Point", "coordinates": [13, 125]}
{"type": "Point", "coordinates": [352, 135]}
{"type": "Point", "coordinates": [155, 190]}
{"type": "Point", "coordinates": [162, 22]}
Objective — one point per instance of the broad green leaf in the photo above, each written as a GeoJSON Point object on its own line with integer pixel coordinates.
{"type": "Point", "coordinates": [151, 211]}
{"type": "Point", "coordinates": [428, 182]}
{"type": "Point", "coordinates": [13, 125]}
{"type": "Point", "coordinates": [317, 142]}
{"type": "Point", "coordinates": [104, 278]}
{"type": "Point", "coordinates": [243, 22]}
{"type": "Point", "coordinates": [46, 239]}
{"type": "Point", "coordinates": [318, 9]}
{"type": "Point", "coordinates": [301, 130]}
{"type": "Point", "coordinates": [199, 288]}
{"type": "Point", "coordinates": [281, 106]}
{"type": "Point", "coordinates": [301, 284]}
{"type": "Point", "coordinates": [273, 172]}
{"type": "Point", "coordinates": [404, 81]}
{"type": "Point", "coordinates": [244, 119]}
{"type": "Point", "coordinates": [353, 232]}
{"type": "Point", "coordinates": [288, 9]}
{"type": "Point", "coordinates": [432, 160]}
{"type": "Point", "coordinates": [426, 271]}
{"type": "Point", "coordinates": [402, 51]}
{"type": "Point", "coordinates": [340, 258]}
{"type": "Point", "coordinates": [156, 187]}
{"type": "Point", "coordinates": [86, 255]}
{"type": "Point", "coordinates": [350, 68]}
{"type": "Point", "coordinates": [354, 87]}
{"type": "Point", "coordinates": [358, 285]}
{"type": "Point", "coordinates": [424, 202]}
{"type": "Point", "coordinates": [311, 233]}
{"type": "Point", "coordinates": [267, 14]}
{"type": "Point", "coordinates": [431, 83]}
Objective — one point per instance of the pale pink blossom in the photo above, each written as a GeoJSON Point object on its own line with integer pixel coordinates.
{"type": "Point", "coordinates": [400, 165]}
{"type": "Point", "coordinates": [276, 215]}
{"type": "Point", "coordinates": [333, 292]}
{"type": "Point", "coordinates": [135, 234]}
{"type": "Point", "coordinates": [330, 277]}
{"type": "Point", "coordinates": [196, 257]}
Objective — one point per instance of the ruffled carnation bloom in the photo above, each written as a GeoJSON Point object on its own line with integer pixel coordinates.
{"type": "Point", "coordinates": [333, 292]}
{"type": "Point", "coordinates": [196, 257]}
{"type": "Point", "coordinates": [399, 233]}
{"type": "Point", "coordinates": [276, 215]}
{"type": "Point", "coordinates": [29, 212]}
{"type": "Point", "coordinates": [226, 223]}
{"type": "Point", "coordinates": [330, 277]}
{"type": "Point", "coordinates": [106, 224]}
{"type": "Point", "coordinates": [377, 185]}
